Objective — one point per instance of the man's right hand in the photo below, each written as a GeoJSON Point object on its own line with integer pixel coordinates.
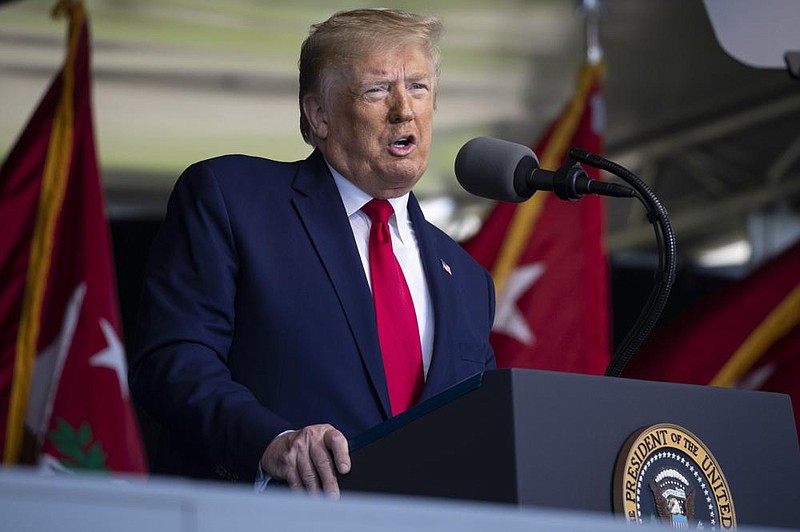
{"type": "Point", "coordinates": [308, 458]}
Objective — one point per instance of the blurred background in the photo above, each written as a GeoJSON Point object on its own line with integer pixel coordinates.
{"type": "Point", "coordinates": [177, 81]}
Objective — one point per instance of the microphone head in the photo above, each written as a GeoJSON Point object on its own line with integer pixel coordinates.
{"type": "Point", "coordinates": [495, 169]}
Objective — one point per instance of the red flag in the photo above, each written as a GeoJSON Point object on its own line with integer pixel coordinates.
{"type": "Point", "coordinates": [547, 259]}
{"type": "Point", "coordinates": [63, 386]}
{"type": "Point", "coordinates": [746, 334]}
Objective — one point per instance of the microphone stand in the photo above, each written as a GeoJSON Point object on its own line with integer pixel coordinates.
{"type": "Point", "coordinates": [665, 273]}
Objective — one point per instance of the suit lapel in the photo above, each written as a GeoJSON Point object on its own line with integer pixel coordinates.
{"type": "Point", "coordinates": [322, 213]}
{"type": "Point", "coordinates": [444, 299]}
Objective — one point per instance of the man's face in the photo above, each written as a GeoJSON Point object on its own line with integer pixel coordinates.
{"type": "Point", "coordinates": [375, 127]}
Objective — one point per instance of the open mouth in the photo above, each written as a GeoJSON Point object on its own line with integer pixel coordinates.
{"type": "Point", "coordinates": [403, 144]}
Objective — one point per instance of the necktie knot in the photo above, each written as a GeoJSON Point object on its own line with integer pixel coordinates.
{"type": "Point", "coordinates": [379, 210]}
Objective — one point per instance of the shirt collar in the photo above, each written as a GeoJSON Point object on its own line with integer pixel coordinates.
{"type": "Point", "coordinates": [354, 198]}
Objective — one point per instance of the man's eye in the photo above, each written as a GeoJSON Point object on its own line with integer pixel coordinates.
{"type": "Point", "coordinates": [418, 87]}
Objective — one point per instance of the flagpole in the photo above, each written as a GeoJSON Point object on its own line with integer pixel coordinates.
{"type": "Point", "coordinates": [54, 181]}
{"type": "Point", "coordinates": [591, 11]}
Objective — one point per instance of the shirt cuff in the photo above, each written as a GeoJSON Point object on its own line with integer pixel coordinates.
{"type": "Point", "coordinates": [262, 479]}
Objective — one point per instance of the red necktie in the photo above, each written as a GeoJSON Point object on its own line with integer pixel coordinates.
{"type": "Point", "coordinates": [398, 332]}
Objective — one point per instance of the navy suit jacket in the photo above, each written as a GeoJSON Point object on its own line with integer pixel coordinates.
{"type": "Point", "coordinates": [257, 317]}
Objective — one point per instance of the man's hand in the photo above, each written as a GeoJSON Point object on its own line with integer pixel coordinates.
{"type": "Point", "coordinates": [306, 458]}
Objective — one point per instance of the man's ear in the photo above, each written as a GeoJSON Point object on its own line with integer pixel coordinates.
{"type": "Point", "coordinates": [316, 115]}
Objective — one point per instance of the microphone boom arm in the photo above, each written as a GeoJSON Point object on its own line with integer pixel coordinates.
{"type": "Point", "coordinates": [665, 273]}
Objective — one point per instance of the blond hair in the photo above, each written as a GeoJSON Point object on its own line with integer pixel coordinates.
{"type": "Point", "coordinates": [348, 35]}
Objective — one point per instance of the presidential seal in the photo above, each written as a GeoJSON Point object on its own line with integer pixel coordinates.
{"type": "Point", "coordinates": [664, 473]}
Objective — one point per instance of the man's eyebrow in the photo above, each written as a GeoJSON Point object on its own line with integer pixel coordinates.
{"type": "Point", "coordinates": [380, 79]}
{"type": "Point", "coordinates": [419, 76]}
{"type": "Point", "coordinates": [374, 78]}
{"type": "Point", "coordinates": [383, 75]}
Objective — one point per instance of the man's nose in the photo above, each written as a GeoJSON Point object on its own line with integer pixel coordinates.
{"type": "Point", "coordinates": [400, 110]}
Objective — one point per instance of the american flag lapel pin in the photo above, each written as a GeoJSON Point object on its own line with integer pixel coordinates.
{"type": "Point", "coordinates": [446, 267]}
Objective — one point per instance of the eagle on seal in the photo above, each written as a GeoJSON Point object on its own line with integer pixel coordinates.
{"type": "Point", "coordinates": [679, 512]}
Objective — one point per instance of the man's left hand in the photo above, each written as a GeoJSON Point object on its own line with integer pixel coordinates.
{"type": "Point", "coordinates": [305, 458]}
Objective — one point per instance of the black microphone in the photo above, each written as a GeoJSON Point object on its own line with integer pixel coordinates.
{"type": "Point", "coordinates": [506, 171]}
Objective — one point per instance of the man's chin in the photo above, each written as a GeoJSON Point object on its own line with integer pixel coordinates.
{"type": "Point", "coordinates": [404, 181]}
{"type": "Point", "coordinates": [406, 169]}
{"type": "Point", "coordinates": [394, 186]}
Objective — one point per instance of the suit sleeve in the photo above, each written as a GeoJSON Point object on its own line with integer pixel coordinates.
{"type": "Point", "coordinates": [180, 374]}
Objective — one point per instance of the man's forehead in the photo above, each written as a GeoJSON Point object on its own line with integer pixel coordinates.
{"type": "Point", "coordinates": [405, 61]}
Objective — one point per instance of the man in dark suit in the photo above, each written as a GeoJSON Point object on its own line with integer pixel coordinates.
{"type": "Point", "coordinates": [265, 333]}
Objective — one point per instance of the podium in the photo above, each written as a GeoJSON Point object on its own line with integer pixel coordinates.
{"type": "Point", "coordinates": [548, 439]}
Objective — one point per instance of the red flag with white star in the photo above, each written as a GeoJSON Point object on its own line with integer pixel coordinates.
{"type": "Point", "coordinates": [744, 335]}
{"type": "Point", "coordinates": [63, 386]}
{"type": "Point", "coordinates": [547, 258]}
